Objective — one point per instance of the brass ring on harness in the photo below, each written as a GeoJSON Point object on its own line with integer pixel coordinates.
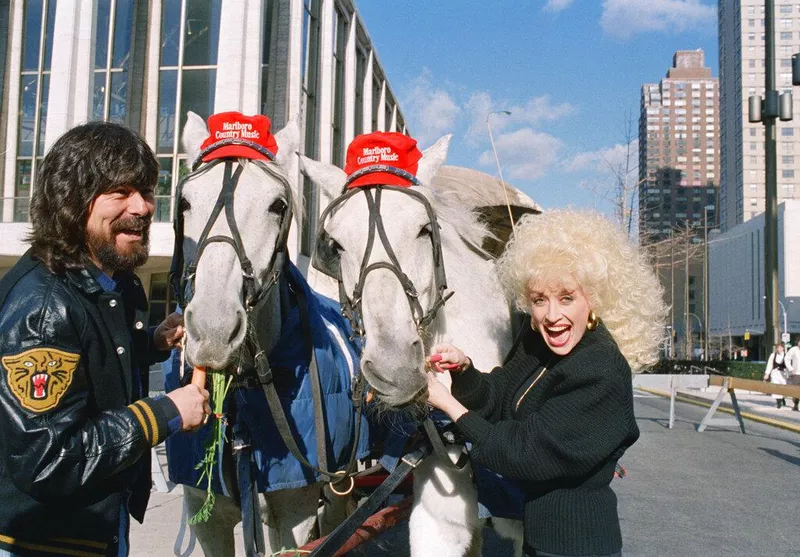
{"type": "Point", "coordinates": [342, 474]}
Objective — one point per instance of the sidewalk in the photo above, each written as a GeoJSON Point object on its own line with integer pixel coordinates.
{"type": "Point", "coordinates": [753, 405]}
{"type": "Point", "coordinates": [156, 537]}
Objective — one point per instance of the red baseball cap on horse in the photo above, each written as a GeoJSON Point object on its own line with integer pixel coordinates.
{"type": "Point", "coordinates": [235, 125]}
{"type": "Point", "coordinates": [382, 149]}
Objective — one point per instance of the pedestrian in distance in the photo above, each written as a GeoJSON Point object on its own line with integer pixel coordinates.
{"type": "Point", "coordinates": [777, 370]}
{"type": "Point", "coordinates": [793, 360]}
{"type": "Point", "coordinates": [76, 424]}
{"type": "Point", "coordinates": [556, 417]}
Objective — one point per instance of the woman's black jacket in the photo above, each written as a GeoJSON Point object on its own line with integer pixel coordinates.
{"type": "Point", "coordinates": [560, 440]}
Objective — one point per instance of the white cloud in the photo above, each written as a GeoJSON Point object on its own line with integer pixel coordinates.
{"type": "Point", "coordinates": [524, 154]}
{"type": "Point", "coordinates": [605, 160]}
{"type": "Point", "coordinates": [624, 18]}
{"type": "Point", "coordinates": [534, 111]}
{"type": "Point", "coordinates": [430, 111]}
{"type": "Point", "coordinates": [557, 5]}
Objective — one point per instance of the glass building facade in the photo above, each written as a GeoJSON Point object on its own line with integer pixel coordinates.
{"type": "Point", "coordinates": [150, 62]}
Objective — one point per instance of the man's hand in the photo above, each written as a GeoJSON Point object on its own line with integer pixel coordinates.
{"type": "Point", "coordinates": [169, 332]}
{"type": "Point", "coordinates": [192, 403]}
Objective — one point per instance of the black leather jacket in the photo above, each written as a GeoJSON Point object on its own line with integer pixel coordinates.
{"type": "Point", "coordinates": [74, 440]}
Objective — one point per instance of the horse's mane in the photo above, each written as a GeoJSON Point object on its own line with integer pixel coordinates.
{"type": "Point", "coordinates": [450, 209]}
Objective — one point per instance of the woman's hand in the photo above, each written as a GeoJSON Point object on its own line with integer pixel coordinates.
{"type": "Point", "coordinates": [439, 397]}
{"type": "Point", "coordinates": [447, 357]}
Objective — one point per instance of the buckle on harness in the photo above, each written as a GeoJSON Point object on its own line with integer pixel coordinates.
{"type": "Point", "coordinates": [262, 368]}
{"type": "Point", "coordinates": [342, 475]}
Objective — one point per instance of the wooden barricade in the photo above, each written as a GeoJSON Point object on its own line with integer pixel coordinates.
{"type": "Point", "coordinates": [729, 384]}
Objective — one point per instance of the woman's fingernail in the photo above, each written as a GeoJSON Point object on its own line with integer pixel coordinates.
{"type": "Point", "coordinates": [435, 358]}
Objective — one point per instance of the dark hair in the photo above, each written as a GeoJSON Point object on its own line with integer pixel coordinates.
{"type": "Point", "coordinates": [85, 162]}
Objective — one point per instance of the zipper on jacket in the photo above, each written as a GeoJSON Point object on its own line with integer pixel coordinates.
{"type": "Point", "coordinates": [522, 397]}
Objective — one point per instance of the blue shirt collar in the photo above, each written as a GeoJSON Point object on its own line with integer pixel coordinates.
{"type": "Point", "coordinates": [106, 283]}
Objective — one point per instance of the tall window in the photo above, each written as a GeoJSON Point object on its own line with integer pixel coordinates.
{"type": "Point", "coordinates": [112, 59]}
{"type": "Point", "coordinates": [376, 100]}
{"type": "Point", "coordinates": [37, 53]}
{"type": "Point", "coordinates": [388, 108]}
{"type": "Point", "coordinates": [187, 78]}
{"type": "Point", "coordinates": [341, 27]}
{"type": "Point", "coordinates": [269, 11]}
{"type": "Point", "coordinates": [159, 298]}
{"type": "Point", "coordinates": [361, 72]}
{"type": "Point", "coordinates": [311, 36]}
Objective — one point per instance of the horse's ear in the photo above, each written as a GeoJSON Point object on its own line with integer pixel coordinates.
{"type": "Point", "coordinates": [329, 179]}
{"type": "Point", "coordinates": [288, 140]}
{"type": "Point", "coordinates": [432, 158]}
{"type": "Point", "coordinates": [194, 133]}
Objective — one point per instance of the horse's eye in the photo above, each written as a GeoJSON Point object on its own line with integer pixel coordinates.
{"type": "Point", "coordinates": [334, 246]}
{"type": "Point", "coordinates": [183, 205]}
{"type": "Point", "coordinates": [278, 207]}
{"type": "Point", "coordinates": [425, 231]}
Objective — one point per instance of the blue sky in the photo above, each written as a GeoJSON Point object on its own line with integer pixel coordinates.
{"type": "Point", "coordinates": [570, 71]}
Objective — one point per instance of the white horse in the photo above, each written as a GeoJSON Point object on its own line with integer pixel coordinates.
{"type": "Point", "coordinates": [216, 321]}
{"type": "Point", "coordinates": [444, 519]}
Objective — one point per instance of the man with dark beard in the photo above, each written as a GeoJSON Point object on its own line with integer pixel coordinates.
{"type": "Point", "coordinates": [76, 424]}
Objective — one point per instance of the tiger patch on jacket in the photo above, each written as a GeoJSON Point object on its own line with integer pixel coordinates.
{"type": "Point", "coordinates": [39, 377]}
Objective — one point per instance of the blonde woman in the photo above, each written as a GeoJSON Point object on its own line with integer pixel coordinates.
{"type": "Point", "coordinates": [558, 415]}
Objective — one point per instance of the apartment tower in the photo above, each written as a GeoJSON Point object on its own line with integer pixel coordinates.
{"type": "Point", "coordinates": [678, 173]}
{"type": "Point", "coordinates": [742, 67]}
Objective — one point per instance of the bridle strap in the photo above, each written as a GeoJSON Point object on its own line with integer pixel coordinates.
{"type": "Point", "coordinates": [383, 169]}
{"type": "Point", "coordinates": [251, 295]}
{"type": "Point", "coordinates": [351, 305]}
{"type": "Point", "coordinates": [198, 160]}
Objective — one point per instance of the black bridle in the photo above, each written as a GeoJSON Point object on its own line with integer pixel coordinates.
{"type": "Point", "coordinates": [182, 276]}
{"type": "Point", "coordinates": [253, 293]}
{"type": "Point", "coordinates": [327, 260]}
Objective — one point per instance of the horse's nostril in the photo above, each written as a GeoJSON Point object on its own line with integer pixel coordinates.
{"type": "Point", "coordinates": [236, 330]}
{"type": "Point", "coordinates": [188, 321]}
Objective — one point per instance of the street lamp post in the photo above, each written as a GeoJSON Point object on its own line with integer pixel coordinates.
{"type": "Point", "coordinates": [785, 324]}
{"type": "Point", "coordinates": [689, 333]}
{"type": "Point", "coordinates": [767, 110]}
{"type": "Point", "coordinates": [497, 161]}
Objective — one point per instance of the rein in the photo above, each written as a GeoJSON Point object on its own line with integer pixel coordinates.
{"type": "Point", "coordinates": [352, 304]}
{"type": "Point", "coordinates": [253, 294]}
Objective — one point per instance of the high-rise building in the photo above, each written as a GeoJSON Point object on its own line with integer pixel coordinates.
{"type": "Point", "coordinates": [147, 63]}
{"type": "Point", "coordinates": [742, 67]}
{"type": "Point", "coordinates": [678, 149]}
{"type": "Point", "coordinates": [736, 258]}
{"type": "Point", "coordinates": [678, 178]}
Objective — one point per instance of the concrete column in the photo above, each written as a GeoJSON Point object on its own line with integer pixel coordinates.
{"type": "Point", "coordinates": [15, 45]}
{"type": "Point", "coordinates": [393, 125]}
{"type": "Point", "coordinates": [382, 108]}
{"type": "Point", "coordinates": [350, 83]}
{"type": "Point", "coordinates": [292, 76]}
{"type": "Point", "coordinates": [289, 79]}
{"type": "Point", "coordinates": [239, 58]}
{"type": "Point", "coordinates": [150, 131]}
{"type": "Point", "coordinates": [325, 91]}
{"type": "Point", "coordinates": [367, 92]}
{"type": "Point", "coordinates": [71, 69]}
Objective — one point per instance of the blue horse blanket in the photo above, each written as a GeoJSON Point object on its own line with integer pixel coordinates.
{"type": "Point", "coordinates": [337, 362]}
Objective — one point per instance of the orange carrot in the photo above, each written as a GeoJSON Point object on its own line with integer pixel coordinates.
{"type": "Point", "coordinates": [199, 377]}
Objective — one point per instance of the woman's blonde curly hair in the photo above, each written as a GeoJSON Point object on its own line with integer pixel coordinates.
{"type": "Point", "coordinates": [584, 249]}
